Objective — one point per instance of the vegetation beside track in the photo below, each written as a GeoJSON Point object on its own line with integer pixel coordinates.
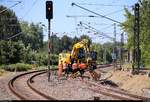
{"type": "Point", "coordinates": [17, 67]}
{"type": "Point", "coordinates": [1, 72]}
{"type": "Point", "coordinates": [129, 66]}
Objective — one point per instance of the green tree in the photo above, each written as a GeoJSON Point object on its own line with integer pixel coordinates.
{"type": "Point", "coordinates": [32, 35]}
{"type": "Point", "coordinates": [11, 52]}
{"type": "Point", "coordinates": [9, 24]}
{"type": "Point", "coordinates": [56, 44]}
{"type": "Point", "coordinates": [75, 40]}
{"type": "Point", "coordinates": [144, 30]}
{"type": "Point", "coordinates": [86, 37]}
{"type": "Point", "coordinates": [66, 43]}
{"type": "Point", "coordinates": [98, 48]}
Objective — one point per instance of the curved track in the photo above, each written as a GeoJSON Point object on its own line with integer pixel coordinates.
{"type": "Point", "coordinates": [111, 91]}
{"type": "Point", "coordinates": [24, 90]}
{"type": "Point", "coordinates": [94, 86]}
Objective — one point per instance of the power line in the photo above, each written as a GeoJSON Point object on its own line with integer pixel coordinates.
{"type": "Point", "coordinates": [15, 35]}
{"type": "Point", "coordinates": [116, 11]}
{"type": "Point", "coordinates": [107, 27]}
{"type": "Point", "coordinates": [101, 4]}
{"type": "Point", "coordinates": [80, 16]}
{"type": "Point", "coordinates": [29, 10]}
{"type": "Point", "coordinates": [96, 13]}
{"type": "Point", "coordinates": [95, 23]}
{"type": "Point", "coordinates": [97, 31]}
{"type": "Point", "coordinates": [10, 7]}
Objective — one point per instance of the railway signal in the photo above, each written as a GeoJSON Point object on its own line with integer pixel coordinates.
{"type": "Point", "coordinates": [49, 16]}
{"type": "Point", "coordinates": [49, 9]}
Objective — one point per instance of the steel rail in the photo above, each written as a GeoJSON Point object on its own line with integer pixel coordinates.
{"type": "Point", "coordinates": [108, 90]}
{"type": "Point", "coordinates": [13, 89]}
{"type": "Point", "coordinates": [30, 81]}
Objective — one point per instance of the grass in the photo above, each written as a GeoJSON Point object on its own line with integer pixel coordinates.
{"type": "Point", "coordinates": [1, 72]}
{"type": "Point", "coordinates": [45, 67]}
{"type": "Point", "coordinates": [127, 65]}
{"type": "Point", "coordinates": [17, 67]}
{"type": "Point", "coordinates": [147, 65]}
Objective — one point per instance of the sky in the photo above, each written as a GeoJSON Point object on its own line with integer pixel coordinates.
{"type": "Point", "coordinates": [34, 11]}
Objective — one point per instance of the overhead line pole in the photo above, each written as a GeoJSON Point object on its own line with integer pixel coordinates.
{"type": "Point", "coordinates": [121, 50]}
{"type": "Point", "coordinates": [136, 42]}
{"type": "Point", "coordinates": [114, 49]}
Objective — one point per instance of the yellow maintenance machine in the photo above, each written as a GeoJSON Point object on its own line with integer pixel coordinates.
{"type": "Point", "coordinates": [82, 56]}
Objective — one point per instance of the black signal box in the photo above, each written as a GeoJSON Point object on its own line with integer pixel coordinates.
{"type": "Point", "coordinates": [49, 9]}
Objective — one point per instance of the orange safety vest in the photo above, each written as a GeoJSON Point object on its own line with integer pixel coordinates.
{"type": "Point", "coordinates": [82, 66]}
{"type": "Point", "coordinates": [64, 65]}
{"type": "Point", "coordinates": [74, 66]}
{"type": "Point", "coordinates": [60, 69]}
{"type": "Point", "coordinates": [60, 66]}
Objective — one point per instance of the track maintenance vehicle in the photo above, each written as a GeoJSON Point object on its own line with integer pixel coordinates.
{"type": "Point", "coordinates": [80, 59]}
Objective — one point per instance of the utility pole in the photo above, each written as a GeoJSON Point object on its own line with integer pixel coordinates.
{"type": "Point", "coordinates": [136, 42]}
{"type": "Point", "coordinates": [121, 50]}
{"type": "Point", "coordinates": [104, 55]}
{"type": "Point", "coordinates": [114, 49]}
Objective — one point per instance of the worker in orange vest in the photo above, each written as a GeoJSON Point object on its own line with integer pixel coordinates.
{"type": "Point", "coordinates": [60, 70]}
{"type": "Point", "coordinates": [75, 69]}
{"type": "Point", "coordinates": [64, 65]}
{"type": "Point", "coordinates": [66, 69]}
{"type": "Point", "coordinates": [82, 66]}
{"type": "Point", "coordinates": [74, 65]}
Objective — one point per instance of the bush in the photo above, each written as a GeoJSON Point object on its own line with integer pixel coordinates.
{"type": "Point", "coordinates": [2, 67]}
{"type": "Point", "coordinates": [1, 72]}
{"type": "Point", "coordinates": [54, 58]}
{"type": "Point", "coordinates": [18, 67]}
{"type": "Point", "coordinates": [11, 52]}
{"type": "Point", "coordinates": [42, 58]}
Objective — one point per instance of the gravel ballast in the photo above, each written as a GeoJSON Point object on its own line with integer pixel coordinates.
{"type": "Point", "coordinates": [70, 89]}
{"type": "Point", "coordinates": [5, 93]}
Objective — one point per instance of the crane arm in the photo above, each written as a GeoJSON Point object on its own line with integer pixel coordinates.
{"type": "Point", "coordinates": [82, 44]}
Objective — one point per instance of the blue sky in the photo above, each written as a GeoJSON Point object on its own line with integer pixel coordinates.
{"type": "Point", "coordinates": [34, 11]}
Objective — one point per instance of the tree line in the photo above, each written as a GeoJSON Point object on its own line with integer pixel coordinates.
{"type": "Point", "coordinates": [28, 46]}
{"type": "Point", "coordinates": [144, 11]}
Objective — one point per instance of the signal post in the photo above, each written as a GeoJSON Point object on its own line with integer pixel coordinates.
{"type": "Point", "coordinates": [49, 16]}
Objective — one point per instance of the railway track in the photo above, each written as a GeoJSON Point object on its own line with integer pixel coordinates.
{"type": "Point", "coordinates": [112, 92]}
{"type": "Point", "coordinates": [21, 86]}
{"type": "Point", "coordinates": [94, 86]}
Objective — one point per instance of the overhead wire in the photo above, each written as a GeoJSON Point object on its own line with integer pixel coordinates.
{"type": "Point", "coordinates": [10, 7]}
{"type": "Point", "coordinates": [97, 31]}
{"type": "Point", "coordinates": [116, 11]}
{"type": "Point", "coordinates": [101, 4]}
{"type": "Point", "coordinates": [96, 13]}
{"type": "Point", "coordinates": [15, 35]}
{"type": "Point", "coordinates": [29, 10]}
{"type": "Point", "coordinates": [107, 27]}
{"type": "Point", "coordinates": [22, 18]}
